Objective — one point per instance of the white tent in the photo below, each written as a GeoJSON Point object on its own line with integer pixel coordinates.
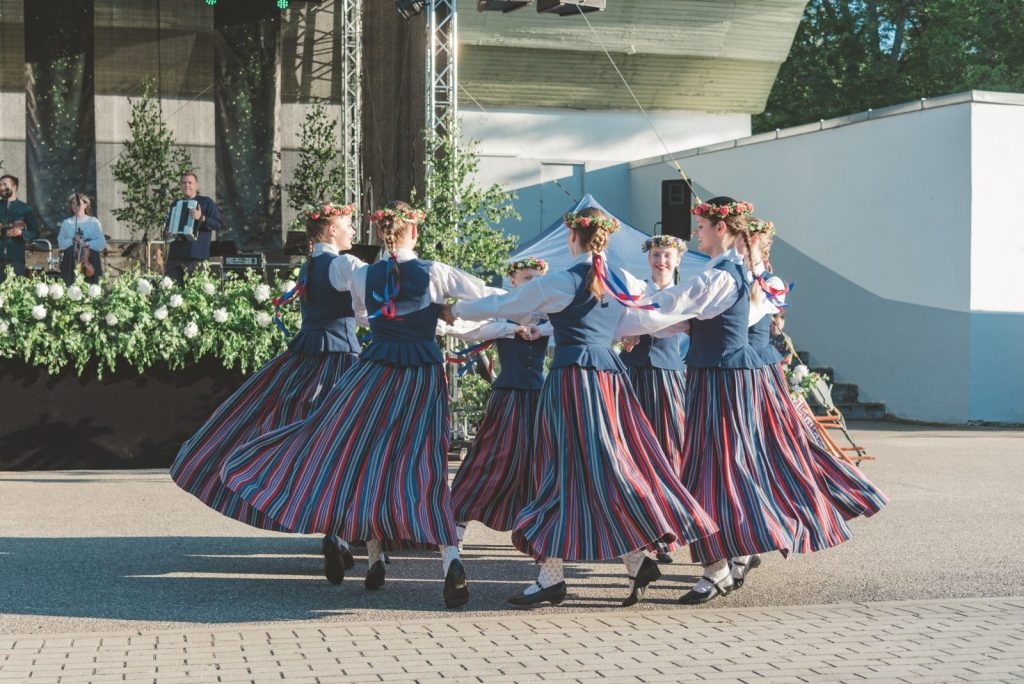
{"type": "Point", "coordinates": [624, 247]}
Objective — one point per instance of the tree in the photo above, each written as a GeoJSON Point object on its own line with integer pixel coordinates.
{"type": "Point", "coordinates": [320, 176]}
{"type": "Point", "coordinates": [149, 167]}
{"type": "Point", "coordinates": [459, 226]}
{"type": "Point", "coordinates": [852, 55]}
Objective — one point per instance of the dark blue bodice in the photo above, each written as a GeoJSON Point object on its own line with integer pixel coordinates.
{"type": "Point", "coordinates": [654, 352]}
{"type": "Point", "coordinates": [584, 329]}
{"type": "Point", "coordinates": [721, 342]}
{"type": "Point", "coordinates": [522, 363]}
{"type": "Point", "coordinates": [410, 339]}
{"type": "Point", "coordinates": [328, 322]}
{"type": "Point", "coordinates": [760, 335]}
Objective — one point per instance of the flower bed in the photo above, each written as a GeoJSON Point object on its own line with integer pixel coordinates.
{"type": "Point", "coordinates": [119, 374]}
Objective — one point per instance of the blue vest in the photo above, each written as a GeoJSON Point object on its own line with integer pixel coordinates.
{"type": "Point", "coordinates": [760, 335]}
{"type": "Point", "coordinates": [522, 363]}
{"type": "Point", "coordinates": [328, 322]}
{"type": "Point", "coordinates": [584, 329]}
{"type": "Point", "coordinates": [410, 339]}
{"type": "Point", "coordinates": [721, 342]}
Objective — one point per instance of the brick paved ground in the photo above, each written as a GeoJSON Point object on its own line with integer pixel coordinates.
{"type": "Point", "coordinates": [935, 641]}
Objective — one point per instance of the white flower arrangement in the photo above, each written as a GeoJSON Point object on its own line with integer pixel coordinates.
{"type": "Point", "coordinates": [801, 380]}
{"type": "Point", "coordinates": [166, 283]}
{"type": "Point", "coordinates": [56, 291]}
{"type": "Point", "coordinates": [140, 327]}
{"type": "Point", "coordinates": [288, 286]}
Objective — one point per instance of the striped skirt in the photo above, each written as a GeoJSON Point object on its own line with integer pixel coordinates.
{"type": "Point", "coordinates": [496, 480]}
{"type": "Point", "coordinates": [605, 487]}
{"type": "Point", "coordinates": [726, 469]}
{"type": "Point", "coordinates": [284, 391]}
{"type": "Point", "coordinates": [371, 462]}
{"type": "Point", "coordinates": [662, 395]}
{"type": "Point", "coordinates": [845, 489]}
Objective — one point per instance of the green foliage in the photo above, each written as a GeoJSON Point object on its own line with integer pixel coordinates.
{"type": "Point", "coordinates": [137, 322]}
{"type": "Point", "coordinates": [149, 167]}
{"type": "Point", "coordinates": [852, 56]}
{"type": "Point", "coordinates": [459, 228]}
{"type": "Point", "coordinates": [320, 175]}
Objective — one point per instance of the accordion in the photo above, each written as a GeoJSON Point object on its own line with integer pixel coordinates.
{"type": "Point", "coordinates": [180, 223]}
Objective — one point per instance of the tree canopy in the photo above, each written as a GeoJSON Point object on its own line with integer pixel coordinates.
{"type": "Point", "coordinates": [853, 55]}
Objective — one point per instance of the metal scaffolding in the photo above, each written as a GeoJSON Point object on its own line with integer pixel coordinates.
{"type": "Point", "coordinates": [442, 73]}
{"type": "Point", "coordinates": [351, 100]}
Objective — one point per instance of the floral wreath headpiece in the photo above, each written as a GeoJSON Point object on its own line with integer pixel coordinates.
{"type": "Point", "coordinates": [523, 264]}
{"type": "Point", "coordinates": [574, 220]}
{"type": "Point", "coordinates": [409, 215]}
{"type": "Point", "coordinates": [722, 211]}
{"type": "Point", "coordinates": [329, 210]}
{"type": "Point", "coordinates": [756, 225]}
{"type": "Point", "coordinates": [663, 241]}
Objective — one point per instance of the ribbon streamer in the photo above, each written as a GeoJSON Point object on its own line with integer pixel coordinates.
{"type": "Point", "coordinates": [774, 294]}
{"type": "Point", "coordinates": [467, 356]}
{"type": "Point", "coordinates": [284, 299]}
{"type": "Point", "coordinates": [617, 288]}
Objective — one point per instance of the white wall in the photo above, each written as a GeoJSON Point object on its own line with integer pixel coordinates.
{"type": "Point", "coordinates": [874, 224]}
{"type": "Point", "coordinates": [527, 150]}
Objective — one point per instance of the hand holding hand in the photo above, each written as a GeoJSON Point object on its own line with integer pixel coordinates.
{"type": "Point", "coordinates": [629, 342]}
{"type": "Point", "coordinates": [446, 314]}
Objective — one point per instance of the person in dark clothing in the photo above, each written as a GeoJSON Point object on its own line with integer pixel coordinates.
{"type": "Point", "coordinates": [185, 255]}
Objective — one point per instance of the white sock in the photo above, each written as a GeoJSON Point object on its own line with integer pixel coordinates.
{"type": "Point", "coordinates": [633, 560]}
{"type": "Point", "coordinates": [448, 554]}
{"type": "Point", "coordinates": [715, 572]}
{"type": "Point", "coordinates": [460, 530]}
{"type": "Point", "coordinates": [740, 571]}
{"type": "Point", "coordinates": [374, 551]}
{"type": "Point", "coordinates": [339, 542]}
{"type": "Point", "coordinates": [552, 571]}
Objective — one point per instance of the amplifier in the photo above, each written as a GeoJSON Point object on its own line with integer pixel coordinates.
{"type": "Point", "coordinates": [238, 262]}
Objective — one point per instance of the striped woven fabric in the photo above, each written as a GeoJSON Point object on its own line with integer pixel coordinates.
{"type": "Point", "coordinates": [725, 468]}
{"type": "Point", "coordinates": [284, 391]}
{"type": "Point", "coordinates": [807, 418]}
{"type": "Point", "coordinates": [662, 395]}
{"type": "Point", "coordinates": [606, 487]}
{"type": "Point", "coordinates": [846, 490]}
{"type": "Point", "coordinates": [496, 480]}
{"type": "Point", "coordinates": [371, 462]}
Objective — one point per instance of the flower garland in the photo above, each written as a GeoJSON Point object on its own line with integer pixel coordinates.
{"type": "Point", "coordinates": [408, 215]}
{"type": "Point", "coordinates": [722, 211]}
{"type": "Point", "coordinates": [574, 220]}
{"type": "Point", "coordinates": [523, 264]}
{"type": "Point", "coordinates": [801, 380]}
{"type": "Point", "coordinates": [663, 241]}
{"type": "Point", "coordinates": [760, 226]}
{"type": "Point", "coordinates": [328, 211]}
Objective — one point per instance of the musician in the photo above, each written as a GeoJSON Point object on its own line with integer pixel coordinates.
{"type": "Point", "coordinates": [80, 241]}
{"type": "Point", "coordinates": [17, 227]}
{"type": "Point", "coordinates": [184, 255]}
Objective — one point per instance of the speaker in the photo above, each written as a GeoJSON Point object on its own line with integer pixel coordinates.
{"type": "Point", "coordinates": [568, 8]}
{"type": "Point", "coordinates": [676, 199]}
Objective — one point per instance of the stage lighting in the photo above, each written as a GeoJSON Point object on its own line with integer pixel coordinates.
{"type": "Point", "coordinates": [410, 8]}
{"type": "Point", "coordinates": [501, 5]}
{"type": "Point", "coordinates": [568, 8]}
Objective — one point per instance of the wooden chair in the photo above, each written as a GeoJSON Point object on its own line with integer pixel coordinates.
{"type": "Point", "coordinates": [833, 421]}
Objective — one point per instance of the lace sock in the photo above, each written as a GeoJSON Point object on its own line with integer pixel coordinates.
{"type": "Point", "coordinates": [374, 551]}
{"type": "Point", "coordinates": [715, 572]}
{"type": "Point", "coordinates": [552, 571]}
{"type": "Point", "coordinates": [448, 554]}
{"type": "Point", "coordinates": [633, 560]}
{"type": "Point", "coordinates": [339, 542]}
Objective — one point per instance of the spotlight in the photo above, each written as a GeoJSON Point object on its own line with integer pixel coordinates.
{"type": "Point", "coordinates": [410, 8]}
{"type": "Point", "coordinates": [501, 5]}
{"type": "Point", "coordinates": [568, 8]}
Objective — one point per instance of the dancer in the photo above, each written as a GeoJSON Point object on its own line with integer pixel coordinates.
{"type": "Point", "coordinates": [495, 481]}
{"type": "Point", "coordinates": [605, 489]}
{"type": "Point", "coordinates": [735, 462]}
{"type": "Point", "coordinates": [372, 460]}
{"type": "Point", "coordinates": [288, 387]}
{"type": "Point", "coordinates": [655, 367]}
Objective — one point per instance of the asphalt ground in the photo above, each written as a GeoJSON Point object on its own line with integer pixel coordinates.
{"type": "Point", "coordinates": [116, 551]}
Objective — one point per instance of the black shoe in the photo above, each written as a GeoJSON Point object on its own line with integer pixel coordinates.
{"type": "Point", "coordinates": [336, 561]}
{"type": "Point", "coordinates": [664, 557]}
{"type": "Point", "coordinates": [456, 590]}
{"type": "Point", "coordinates": [754, 562]}
{"type": "Point", "coordinates": [695, 598]}
{"type": "Point", "coordinates": [375, 576]}
{"type": "Point", "coordinates": [387, 558]}
{"type": "Point", "coordinates": [648, 572]}
{"type": "Point", "coordinates": [554, 595]}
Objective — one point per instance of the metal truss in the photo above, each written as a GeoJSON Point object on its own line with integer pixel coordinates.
{"type": "Point", "coordinates": [442, 72]}
{"type": "Point", "coordinates": [351, 97]}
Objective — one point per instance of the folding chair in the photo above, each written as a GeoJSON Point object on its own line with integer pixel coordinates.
{"type": "Point", "coordinates": [820, 395]}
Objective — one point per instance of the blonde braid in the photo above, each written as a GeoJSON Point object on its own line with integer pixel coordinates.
{"type": "Point", "coordinates": [597, 243]}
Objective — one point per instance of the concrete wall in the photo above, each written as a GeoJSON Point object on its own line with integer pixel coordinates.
{"type": "Point", "coordinates": [550, 157]}
{"type": "Point", "coordinates": [902, 280]}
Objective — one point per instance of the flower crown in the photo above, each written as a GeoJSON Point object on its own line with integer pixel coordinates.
{"type": "Point", "coordinates": [722, 211]}
{"type": "Point", "coordinates": [574, 220]}
{"type": "Point", "coordinates": [756, 225]}
{"type": "Point", "coordinates": [528, 262]}
{"type": "Point", "coordinates": [329, 210]}
{"type": "Point", "coordinates": [663, 241]}
{"type": "Point", "coordinates": [409, 215]}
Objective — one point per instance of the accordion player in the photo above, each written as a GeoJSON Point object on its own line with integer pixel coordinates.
{"type": "Point", "coordinates": [180, 223]}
